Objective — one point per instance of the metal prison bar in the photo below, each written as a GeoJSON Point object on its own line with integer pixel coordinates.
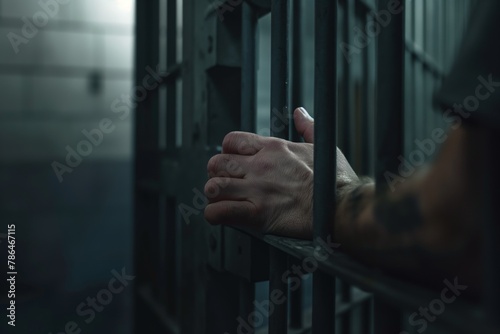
{"type": "Point", "coordinates": [193, 278]}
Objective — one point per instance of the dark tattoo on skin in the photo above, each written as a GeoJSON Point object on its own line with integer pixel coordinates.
{"type": "Point", "coordinates": [400, 215]}
{"type": "Point", "coordinates": [355, 201]}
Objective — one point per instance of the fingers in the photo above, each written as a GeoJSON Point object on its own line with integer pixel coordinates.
{"type": "Point", "coordinates": [304, 124]}
{"type": "Point", "coordinates": [243, 143]}
{"type": "Point", "coordinates": [241, 213]}
{"type": "Point", "coordinates": [228, 202]}
{"type": "Point", "coordinates": [225, 165]}
{"type": "Point", "coordinates": [226, 188]}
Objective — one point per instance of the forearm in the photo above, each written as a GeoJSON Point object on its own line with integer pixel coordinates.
{"type": "Point", "coordinates": [367, 226]}
{"type": "Point", "coordinates": [393, 232]}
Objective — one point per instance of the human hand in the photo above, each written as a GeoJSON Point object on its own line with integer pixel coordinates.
{"type": "Point", "coordinates": [346, 177]}
{"type": "Point", "coordinates": [266, 183]}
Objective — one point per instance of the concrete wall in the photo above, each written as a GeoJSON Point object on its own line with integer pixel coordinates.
{"type": "Point", "coordinates": [60, 81]}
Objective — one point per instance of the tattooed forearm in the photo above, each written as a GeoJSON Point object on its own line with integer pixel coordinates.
{"type": "Point", "coordinates": [400, 215]}
{"type": "Point", "coordinates": [355, 201]}
{"type": "Point", "coordinates": [357, 198]}
{"type": "Point", "coordinates": [395, 215]}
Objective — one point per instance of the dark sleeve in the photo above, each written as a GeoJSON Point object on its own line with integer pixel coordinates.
{"type": "Point", "coordinates": [474, 81]}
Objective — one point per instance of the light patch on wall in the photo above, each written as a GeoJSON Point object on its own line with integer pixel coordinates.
{"type": "Point", "coordinates": [125, 5]}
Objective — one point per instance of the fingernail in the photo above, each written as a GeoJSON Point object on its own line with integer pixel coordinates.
{"type": "Point", "coordinates": [305, 113]}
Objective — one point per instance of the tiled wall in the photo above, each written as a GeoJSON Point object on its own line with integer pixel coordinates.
{"type": "Point", "coordinates": [62, 81]}
{"type": "Point", "coordinates": [48, 85]}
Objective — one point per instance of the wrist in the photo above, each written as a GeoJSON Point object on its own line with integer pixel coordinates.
{"type": "Point", "coordinates": [346, 190]}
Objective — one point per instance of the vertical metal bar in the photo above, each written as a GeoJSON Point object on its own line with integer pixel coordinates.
{"type": "Point", "coordinates": [278, 288]}
{"type": "Point", "coordinates": [296, 305]}
{"type": "Point", "coordinates": [342, 73]}
{"type": "Point", "coordinates": [297, 98]}
{"type": "Point", "coordinates": [366, 317]}
{"type": "Point", "coordinates": [279, 69]}
{"type": "Point", "coordinates": [247, 297]}
{"type": "Point", "coordinates": [346, 117]}
{"type": "Point", "coordinates": [170, 214]}
{"type": "Point", "coordinates": [390, 127]}
{"type": "Point", "coordinates": [194, 286]}
{"type": "Point", "coordinates": [325, 154]}
{"type": "Point", "coordinates": [371, 108]}
{"type": "Point", "coordinates": [439, 51]}
{"type": "Point", "coordinates": [147, 54]}
{"type": "Point", "coordinates": [278, 320]}
{"type": "Point", "coordinates": [387, 318]}
{"type": "Point", "coordinates": [409, 78]}
{"type": "Point", "coordinates": [390, 99]}
{"type": "Point", "coordinates": [325, 101]}
{"type": "Point", "coordinates": [171, 255]}
{"type": "Point", "coordinates": [425, 70]}
{"type": "Point", "coordinates": [365, 105]}
{"type": "Point", "coordinates": [296, 308]}
{"type": "Point", "coordinates": [418, 68]}
{"type": "Point", "coordinates": [390, 134]}
{"type": "Point", "coordinates": [451, 33]}
{"type": "Point", "coordinates": [221, 303]}
{"type": "Point", "coordinates": [345, 296]}
{"type": "Point", "coordinates": [146, 166]}
{"type": "Point", "coordinates": [248, 70]}
{"type": "Point", "coordinates": [323, 317]}
{"type": "Point", "coordinates": [350, 89]}
{"type": "Point", "coordinates": [446, 31]}
{"type": "Point", "coordinates": [491, 249]}
{"type": "Point", "coordinates": [171, 61]}
{"type": "Point", "coordinates": [248, 113]}
{"type": "Point", "coordinates": [459, 25]}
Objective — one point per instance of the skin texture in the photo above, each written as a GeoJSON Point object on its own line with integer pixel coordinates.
{"type": "Point", "coordinates": [266, 183]}
{"type": "Point", "coordinates": [426, 229]}
{"type": "Point", "coordinates": [429, 228]}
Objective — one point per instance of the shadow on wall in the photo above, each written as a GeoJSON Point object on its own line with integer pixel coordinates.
{"type": "Point", "coordinates": [62, 63]}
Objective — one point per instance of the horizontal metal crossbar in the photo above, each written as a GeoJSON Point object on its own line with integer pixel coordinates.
{"type": "Point", "coordinates": [463, 316]}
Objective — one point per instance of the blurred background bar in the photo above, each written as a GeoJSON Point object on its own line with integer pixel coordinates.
{"type": "Point", "coordinates": [168, 130]}
{"type": "Point", "coordinates": [280, 113]}
{"type": "Point", "coordinates": [248, 68]}
{"type": "Point", "coordinates": [278, 291]}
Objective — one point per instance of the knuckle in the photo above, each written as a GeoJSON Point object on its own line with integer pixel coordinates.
{"type": "Point", "coordinates": [234, 168]}
{"type": "Point", "coordinates": [276, 144]}
{"type": "Point", "coordinates": [246, 146]}
{"type": "Point", "coordinates": [222, 182]}
{"type": "Point", "coordinates": [263, 165]}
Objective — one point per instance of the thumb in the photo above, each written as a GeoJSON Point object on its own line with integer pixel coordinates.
{"type": "Point", "coordinates": [304, 124]}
